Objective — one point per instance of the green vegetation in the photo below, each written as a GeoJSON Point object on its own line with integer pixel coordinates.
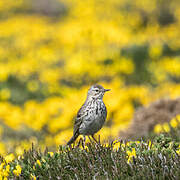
{"type": "Point", "coordinates": [51, 53]}
{"type": "Point", "coordinates": [156, 159]}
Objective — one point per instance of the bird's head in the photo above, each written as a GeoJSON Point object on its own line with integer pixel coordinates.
{"type": "Point", "coordinates": [96, 92]}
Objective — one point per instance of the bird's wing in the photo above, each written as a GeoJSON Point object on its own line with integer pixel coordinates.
{"type": "Point", "coordinates": [79, 118]}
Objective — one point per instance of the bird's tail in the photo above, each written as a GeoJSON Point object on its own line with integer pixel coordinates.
{"type": "Point", "coordinates": [72, 139]}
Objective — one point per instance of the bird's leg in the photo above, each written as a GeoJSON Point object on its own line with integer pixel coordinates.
{"type": "Point", "coordinates": [94, 138]}
{"type": "Point", "coordinates": [90, 139]}
{"type": "Point", "coordinates": [80, 140]}
{"type": "Point", "coordinates": [83, 142]}
{"type": "Point", "coordinates": [99, 140]}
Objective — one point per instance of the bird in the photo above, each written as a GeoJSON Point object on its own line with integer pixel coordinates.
{"type": "Point", "coordinates": [92, 114]}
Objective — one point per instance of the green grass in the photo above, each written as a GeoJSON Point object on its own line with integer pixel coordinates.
{"type": "Point", "coordinates": [156, 160]}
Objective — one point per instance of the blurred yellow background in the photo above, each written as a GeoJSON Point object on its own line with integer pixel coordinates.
{"type": "Point", "coordinates": [52, 51]}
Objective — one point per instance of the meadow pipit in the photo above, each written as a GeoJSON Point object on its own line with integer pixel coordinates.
{"type": "Point", "coordinates": [92, 115]}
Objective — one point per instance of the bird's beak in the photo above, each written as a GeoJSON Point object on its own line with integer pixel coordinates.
{"type": "Point", "coordinates": [105, 90]}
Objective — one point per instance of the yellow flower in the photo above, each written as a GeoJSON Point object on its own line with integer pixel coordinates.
{"type": "Point", "coordinates": [38, 162]}
{"type": "Point", "coordinates": [84, 148]}
{"type": "Point", "coordinates": [149, 144]}
{"type": "Point", "coordinates": [158, 128]}
{"type": "Point", "coordinates": [106, 144]}
{"type": "Point", "coordinates": [2, 166]}
{"type": "Point", "coordinates": [155, 50]}
{"type": "Point", "coordinates": [19, 150]}
{"type": "Point", "coordinates": [178, 118]}
{"type": "Point", "coordinates": [33, 177]}
{"type": "Point", "coordinates": [9, 158]}
{"type": "Point", "coordinates": [166, 127]}
{"type": "Point", "coordinates": [7, 168]}
{"type": "Point", "coordinates": [4, 171]}
{"type": "Point", "coordinates": [125, 66]}
{"type": "Point", "coordinates": [137, 142]}
{"type": "Point", "coordinates": [178, 151]}
{"type": "Point", "coordinates": [131, 154]}
{"type": "Point", "coordinates": [5, 94]}
{"type": "Point", "coordinates": [174, 123]}
{"type": "Point", "coordinates": [51, 154]}
{"type": "Point", "coordinates": [33, 86]}
{"type": "Point", "coordinates": [3, 73]}
{"type": "Point", "coordinates": [2, 148]}
{"type": "Point", "coordinates": [17, 171]}
{"type": "Point", "coordinates": [116, 146]}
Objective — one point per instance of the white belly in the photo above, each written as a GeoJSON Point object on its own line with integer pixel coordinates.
{"type": "Point", "coordinates": [94, 122]}
{"type": "Point", "coordinates": [91, 127]}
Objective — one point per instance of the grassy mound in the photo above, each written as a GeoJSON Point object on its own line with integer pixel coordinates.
{"type": "Point", "coordinates": [156, 159]}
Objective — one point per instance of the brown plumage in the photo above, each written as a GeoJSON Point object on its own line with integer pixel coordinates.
{"type": "Point", "coordinates": [92, 115]}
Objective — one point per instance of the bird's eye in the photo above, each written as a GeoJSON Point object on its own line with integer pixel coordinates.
{"type": "Point", "coordinates": [97, 90]}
